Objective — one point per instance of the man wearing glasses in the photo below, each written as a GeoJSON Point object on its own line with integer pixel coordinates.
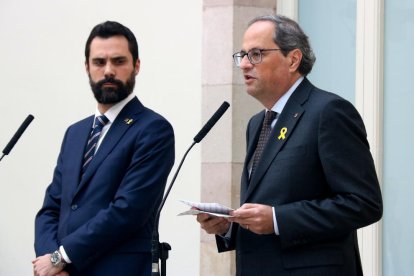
{"type": "Point", "coordinates": [309, 180]}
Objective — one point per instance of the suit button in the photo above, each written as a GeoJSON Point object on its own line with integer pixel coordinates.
{"type": "Point", "coordinates": [74, 207]}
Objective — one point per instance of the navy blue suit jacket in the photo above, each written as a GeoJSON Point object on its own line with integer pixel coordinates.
{"type": "Point", "coordinates": [318, 174]}
{"type": "Point", "coordinates": [104, 220]}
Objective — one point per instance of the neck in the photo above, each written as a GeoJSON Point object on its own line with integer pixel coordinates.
{"type": "Point", "coordinates": [274, 98]}
{"type": "Point", "coordinates": [104, 107]}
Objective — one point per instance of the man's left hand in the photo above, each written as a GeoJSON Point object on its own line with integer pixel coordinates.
{"type": "Point", "coordinates": [42, 266]}
{"type": "Point", "coordinates": [256, 218]}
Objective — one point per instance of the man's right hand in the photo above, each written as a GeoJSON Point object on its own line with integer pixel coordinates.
{"type": "Point", "coordinates": [213, 225]}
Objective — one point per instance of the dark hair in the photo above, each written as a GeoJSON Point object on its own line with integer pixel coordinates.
{"type": "Point", "coordinates": [288, 36]}
{"type": "Point", "coordinates": [111, 28]}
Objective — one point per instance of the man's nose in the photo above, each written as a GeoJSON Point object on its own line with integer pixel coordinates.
{"type": "Point", "coordinates": [245, 63]}
{"type": "Point", "coordinates": [109, 70]}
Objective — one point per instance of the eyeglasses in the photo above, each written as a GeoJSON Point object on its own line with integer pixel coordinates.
{"type": "Point", "coordinates": [254, 55]}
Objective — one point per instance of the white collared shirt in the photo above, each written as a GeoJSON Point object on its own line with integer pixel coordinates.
{"type": "Point", "coordinates": [278, 107]}
{"type": "Point", "coordinates": [111, 114]}
{"type": "Point", "coordinates": [280, 104]}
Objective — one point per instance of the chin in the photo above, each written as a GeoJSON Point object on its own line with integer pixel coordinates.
{"type": "Point", "coordinates": [252, 92]}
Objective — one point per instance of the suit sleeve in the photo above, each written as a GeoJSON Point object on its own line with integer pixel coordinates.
{"type": "Point", "coordinates": [47, 219]}
{"type": "Point", "coordinates": [354, 200]}
{"type": "Point", "coordinates": [225, 244]}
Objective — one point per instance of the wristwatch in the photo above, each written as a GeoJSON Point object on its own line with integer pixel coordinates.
{"type": "Point", "coordinates": [57, 260]}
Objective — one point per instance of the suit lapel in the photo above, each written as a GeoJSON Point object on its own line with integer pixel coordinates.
{"type": "Point", "coordinates": [280, 134]}
{"type": "Point", "coordinates": [122, 123]}
{"type": "Point", "coordinates": [77, 151]}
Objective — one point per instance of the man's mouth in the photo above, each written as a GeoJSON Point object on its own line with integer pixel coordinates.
{"type": "Point", "coordinates": [108, 84]}
{"type": "Point", "coordinates": [248, 78]}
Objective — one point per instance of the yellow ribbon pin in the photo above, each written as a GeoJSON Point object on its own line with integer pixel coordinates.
{"type": "Point", "coordinates": [282, 133]}
{"type": "Point", "coordinates": [128, 121]}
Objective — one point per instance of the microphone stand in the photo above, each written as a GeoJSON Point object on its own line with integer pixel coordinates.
{"type": "Point", "coordinates": [160, 250]}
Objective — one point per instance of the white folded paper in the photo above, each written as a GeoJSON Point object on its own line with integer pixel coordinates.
{"type": "Point", "coordinates": [214, 209]}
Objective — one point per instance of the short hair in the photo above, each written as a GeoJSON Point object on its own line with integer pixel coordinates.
{"type": "Point", "coordinates": [109, 29]}
{"type": "Point", "coordinates": [288, 36]}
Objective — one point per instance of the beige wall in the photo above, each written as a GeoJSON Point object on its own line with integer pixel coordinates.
{"type": "Point", "coordinates": [223, 155]}
{"type": "Point", "coordinates": [42, 73]}
{"type": "Point", "coordinates": [186, 74]}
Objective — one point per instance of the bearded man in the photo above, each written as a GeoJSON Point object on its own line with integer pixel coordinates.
{"type": "Point", "coordinates": [98, 213]}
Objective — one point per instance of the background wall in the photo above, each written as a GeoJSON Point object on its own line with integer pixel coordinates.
{"type": "Point", "coordinates": [42, 73]}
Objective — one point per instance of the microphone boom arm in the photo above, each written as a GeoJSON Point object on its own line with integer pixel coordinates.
{"type": "Point", "coordinates": [160, 250]}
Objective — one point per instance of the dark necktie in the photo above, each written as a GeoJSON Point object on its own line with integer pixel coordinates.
{"type": "Point", "coordinates": [263, 137]}
{"type": "Point", "coordinates": [100, 122]}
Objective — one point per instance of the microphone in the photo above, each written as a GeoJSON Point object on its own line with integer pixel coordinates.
{"type": "Point", "coordinates": [210, 123]}
{"type": "Point", "coordinates": [17, 135]}
{"type": "Point", "coordinates": [160, 250]}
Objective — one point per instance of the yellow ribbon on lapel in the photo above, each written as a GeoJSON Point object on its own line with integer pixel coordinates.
{"type": "Point", "coordinates": [128, 121]}
{"type": "Point", "coordinates": [282, 133]}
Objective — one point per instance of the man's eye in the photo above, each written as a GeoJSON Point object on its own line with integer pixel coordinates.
{"type": "Point", "coordinates": [119, 61]}
{"type": "Point", "coordinates": [99, 62]}
{"type": "Point", "coordinates": [255, 54]}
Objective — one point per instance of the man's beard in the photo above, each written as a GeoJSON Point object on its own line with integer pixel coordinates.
{"type": "Point", "coordinates": [112, 95]}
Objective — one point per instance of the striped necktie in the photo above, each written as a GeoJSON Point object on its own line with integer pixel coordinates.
{"type": "Point", "coordinates": [263, 137]}
{"type": "Point", "coordinates": [90, 149]}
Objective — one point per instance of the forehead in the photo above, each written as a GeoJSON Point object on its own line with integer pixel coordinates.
{"type": "Point", "coordinates": [111, 46]}
{"type": "Point", "coordinates": [259, 35]}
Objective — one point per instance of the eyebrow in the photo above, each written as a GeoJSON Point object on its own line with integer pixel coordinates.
{"type": "Point", "coordinates": [115, 58]}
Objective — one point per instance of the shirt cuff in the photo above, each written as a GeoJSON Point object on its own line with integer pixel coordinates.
{"type": "Point", "coordinates": [275, 222]}
{"type": "Point", "coordinates": [64, 255]}
{"type": "Point", "coordinates": [227, 235]}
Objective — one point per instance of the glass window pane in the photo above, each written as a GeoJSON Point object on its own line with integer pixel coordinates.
{"type": "Point", "coordinates": [398, 184]}
{"type": "Point", "coordinates": [331, 27]}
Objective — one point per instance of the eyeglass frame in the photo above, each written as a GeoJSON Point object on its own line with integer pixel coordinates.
{"type": "Point", "coordinates": [242, 54]}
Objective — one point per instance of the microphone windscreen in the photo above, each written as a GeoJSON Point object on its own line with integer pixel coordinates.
{"type": "Point", "coordinates": [210, 123]}
{"type": "Point", "coordinates": [18, 133]}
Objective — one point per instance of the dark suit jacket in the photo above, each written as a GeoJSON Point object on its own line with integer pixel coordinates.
{"type": "Point", "coordinates": [321, 180]}
{"type": "Point", "coordinates": [104, 220]}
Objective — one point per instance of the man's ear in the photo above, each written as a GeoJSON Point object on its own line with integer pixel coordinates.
{"type": "Point", "coordinates": [87, 67]}
{"type": "Point", "coordinates": [295, 58]}
{"type": "Point", "coordinates": [137, 66]}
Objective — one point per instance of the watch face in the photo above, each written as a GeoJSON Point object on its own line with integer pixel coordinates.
{"type": "Point", "coordinates": [55, 258]}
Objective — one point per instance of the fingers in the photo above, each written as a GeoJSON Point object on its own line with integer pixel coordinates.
{"type": "Point", "coordinates": [242, 214]}
{"type": "Point", "coordinates": [256, 218]}
{"type": "Point", "coordinates": [62, 273]}
{"type": "Point", "coordinates": [212, 224]}
{"type": "Point", "coordinates": [203, 217]}
{"type": "Point", "coordinates": [245, 226]}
